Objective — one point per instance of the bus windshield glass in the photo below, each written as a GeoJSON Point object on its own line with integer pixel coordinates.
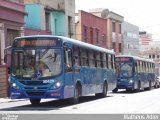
{"type": "Point", "coordinates": [36, 63]}
{"type": "Point", "coordinates": [125, 67]}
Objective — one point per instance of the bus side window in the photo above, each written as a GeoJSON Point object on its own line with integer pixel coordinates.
{"type": "Point", "coordinates": [109, 61]}
{"type": "Point", "coordinates": [104, 60]}
{"type": "Point", "coordinates": [112, 62]}
{"type": "Point", "coordinates": [76, 54]}
{"type": "Point", "coordinates": [84, 57]}
{"type": "Point", "coordinates": [98, 61]}
{"type": "Point", "coordinates": [91, 58]}
{"type": "Point", "coordinates": [68, 59]}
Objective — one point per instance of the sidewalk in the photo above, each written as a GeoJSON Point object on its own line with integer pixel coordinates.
{"type": "Point", "coordinates": [7, 100]}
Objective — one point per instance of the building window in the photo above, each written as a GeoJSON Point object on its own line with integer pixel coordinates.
{"type": "Point", "coordinates": [119, 28]}
{"type": "Point", "coordinates": [114, 46]}
{"type": "Point", "coordinates": [85, 34]}
{"type": "Point", "coordinates": [120, 47]}
{"type": "Point", "coordinates": [104, 39]}
{"type": "Point", "coordinates": [97, 34]}
{"type": "Point", "coordinates": [11, 34]}
{"type": "Point", "coordinates": [113, 27]}
{"type": "Point", "coordinates": [150, 56]}
{"type": "Point", "coordinates": [91, 36]}
{"type": "Point", "coordinates": [56, 27]}
{"type": "Point", "coordinates": [70, 26]}
{"type": "Point", "coordinates": [128, 46]}
{"type": "Point", "coordinates": [157, 56]}
{"type": "Point", "coordinates": [47, 18]}
{"type": "Point", "coordinates": [153, 56]}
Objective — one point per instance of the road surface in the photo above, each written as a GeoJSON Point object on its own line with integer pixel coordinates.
{"type": "Point", "coordinates": [115, 103]}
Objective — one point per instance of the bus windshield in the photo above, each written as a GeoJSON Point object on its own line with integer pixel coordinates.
{"type": "Point", "coordinates": [125, 69]}
{"type": "Point", "coordinates": [36, 63]}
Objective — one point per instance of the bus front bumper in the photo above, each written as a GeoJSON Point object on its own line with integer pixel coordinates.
{"type": "Point", "coordinates": [36, 94]}
{"type": "Point", "coordinates": [126, 84]}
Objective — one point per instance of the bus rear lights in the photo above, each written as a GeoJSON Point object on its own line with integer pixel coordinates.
{"type": "Point", "coordinates": [55, 94]}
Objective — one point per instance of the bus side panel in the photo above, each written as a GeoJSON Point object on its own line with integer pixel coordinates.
{"type": "Point", "coordinates": [111, 79]}
{"type": "Point", "coordinates": [68, 85]}
{"type": "Point", "coordinates": [91, 80]}
{"type": "Point", "coordinates": [141, 79]}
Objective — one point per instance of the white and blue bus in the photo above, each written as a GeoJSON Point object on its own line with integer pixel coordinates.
{"type": "Point", "coordinates": [134, 73]}
{"type": "Point", "coordinates": [45, 66]}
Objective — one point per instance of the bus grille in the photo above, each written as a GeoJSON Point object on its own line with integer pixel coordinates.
{"type": "Point", "coordinates": [38, 88]}
{"type": "Point", "coordinates": [35, 93]}
{"type": "Point", "coordinates": [31, 82]}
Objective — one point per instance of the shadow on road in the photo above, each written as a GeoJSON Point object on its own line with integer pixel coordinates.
{"type": "Point", "coordinates": [51, 105]}
{"type": "Point", "coordinates": [131, 91]}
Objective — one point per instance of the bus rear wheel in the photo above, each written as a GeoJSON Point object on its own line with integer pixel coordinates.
{"type": "Point", "coordinates": [104, 92]}
{"type": "Point", "coordinates": [35, 102]}
{"type": "Point", "coordinates": [105, 89]}
{"type": "Point", "coordinates": [150, 85]}
{"type": "Point", "coordinates": [139, 86]}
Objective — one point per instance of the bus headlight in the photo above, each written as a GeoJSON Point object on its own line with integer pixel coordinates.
{"type": "Point", "coordinates": [15, 86]}
{"type": "Point", "coordinates": [130, 81]}
{"type": "Point", "coordinates": [57, 85]}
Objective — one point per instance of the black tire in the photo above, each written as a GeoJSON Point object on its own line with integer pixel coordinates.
{"type": "Point", "coordinates": [129, 90]}
{"type": "Point", "coordinates": [139, 87]}
{"type": "Point", "coordinates": [115, 90]}
{"type": "Point", "coordinates": [77, 93]}
{"type": "Point", "coordinates": [35, 102]}
{"type": "Point", "coordinates": [105, 90]}
{"type": "Point", "coordinates": [156, 85]}
{"type": "Point", "coordinates": [150, 85]}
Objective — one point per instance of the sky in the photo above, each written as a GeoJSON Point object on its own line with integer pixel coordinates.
{"type": "Point", "coordinates": [143, 13]}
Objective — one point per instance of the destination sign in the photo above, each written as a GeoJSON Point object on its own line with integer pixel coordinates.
{"type": "Point", "coordinates": [37, 42]}
{"type": "Point", "coordinates": [123, 59]}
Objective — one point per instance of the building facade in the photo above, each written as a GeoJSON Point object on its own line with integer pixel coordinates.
{"type": "Point", "coordinates": [152, 51]}
{"type": "Point", "coordinates": [54, 17]}
{"type": "Point", "coordinates": [11, 23]}
{"type": "Point", "coordinates": [114, 28]}
{"type": "Point", "coordinates": [131, 38]}
{"type": "Point", "coordinates": [91, 29]}
{"type": "Point", "coordinates": [144, 40]}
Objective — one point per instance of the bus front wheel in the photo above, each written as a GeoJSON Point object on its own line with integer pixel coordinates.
{"type": "Point", "coordinates": [115, 90]}
{"type": "Point", "coordinates": [77, 94]}
{"type": "Point", "coordinates": [35, 102]}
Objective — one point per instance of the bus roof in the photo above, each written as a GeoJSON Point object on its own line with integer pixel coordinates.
{"type": "Point", "coordinates": [74, 41]}
{"type": "Point", "coordinates": [137, 58]}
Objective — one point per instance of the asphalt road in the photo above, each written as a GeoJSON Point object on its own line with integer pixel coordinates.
{"type": "Point", "coordinates": [115, 103]}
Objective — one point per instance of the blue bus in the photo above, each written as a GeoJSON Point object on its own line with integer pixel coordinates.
{"type": "Point", "coordinates": [134, 73]}
{"type": "Point", "coordinates": [45, 66]}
